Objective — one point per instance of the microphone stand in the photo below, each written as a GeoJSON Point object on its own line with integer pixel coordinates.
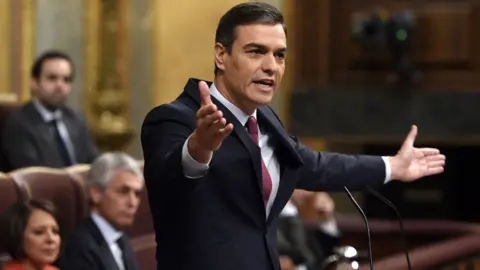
{"type": "Point", "coordinates": [366, 225]}
{"type": "Point", "coordinates": [400, 220]}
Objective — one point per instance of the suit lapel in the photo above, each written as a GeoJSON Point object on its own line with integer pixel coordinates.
{"type": "Point", "coordinates": [104, 252]}
{"type": "Point", "coordinates": [43, 136]}
{"type": "Point", "coordinates": [267, 119]}
{"type": "Point", "coordinates": [241, 132]}
{"type": "Point", "coordinates": [129, 256]}
{"type": "Point", "coordinates": [289, 161]}
{"type": "Point", "coordinates": [75, 139]}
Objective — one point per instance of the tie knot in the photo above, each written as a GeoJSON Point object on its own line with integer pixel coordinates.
{"type": "Point", "coordinates": [55, 118]}
{"type": "Point", "coordinates": [252, 125]}
{"type": "Point", "coordinates": [121, 242]}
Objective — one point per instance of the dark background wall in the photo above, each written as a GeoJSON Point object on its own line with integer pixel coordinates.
{"type": "Point", "coordinates": [346, 93]}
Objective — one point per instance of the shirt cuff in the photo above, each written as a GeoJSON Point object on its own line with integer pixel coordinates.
{"type": "Point", "coordinates": [330, 227]}
{"type": "Point", "coordinates": [388, 170]}
{"type": "Point", "coordinates": [301, 267]}
{"type": "Point", "coordinates": [191, 167]}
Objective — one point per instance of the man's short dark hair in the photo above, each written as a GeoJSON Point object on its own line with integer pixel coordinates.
{"type": "Point", "coordinates": [49, 55]}
{"type": "Point", "coordinates": [245, 14]}
{"type": "Point", "coordinates": [13, 223]}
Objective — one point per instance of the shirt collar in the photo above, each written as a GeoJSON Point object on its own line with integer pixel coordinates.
{"type": "Point", "coordinates": [45, 113]}
{"type": "Point", "coordinates": [237, 112]}
{"type": "Point", "coordinates": [110, 234]}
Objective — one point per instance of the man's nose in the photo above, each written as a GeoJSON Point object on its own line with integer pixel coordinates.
{"type": "Point", "coordinates": [269, 64]}
{"type": "Point", "coordinates": [59, 84]}
{"type": "Point", "coordinates": [133, 199]}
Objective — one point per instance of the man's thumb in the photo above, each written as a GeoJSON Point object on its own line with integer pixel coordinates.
{"type": "Point", "coordinates": [410, 140]}
{"type": "Point", "coordinates": [204, 93]}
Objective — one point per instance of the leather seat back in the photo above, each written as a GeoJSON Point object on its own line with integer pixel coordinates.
{"type": "Point", "coordinates": [9, 193]}
{"type": "Point", "coordinates": [56, 185]}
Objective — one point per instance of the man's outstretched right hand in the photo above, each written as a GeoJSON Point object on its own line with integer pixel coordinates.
{"type": "Point", "coordinates": [211, 128]}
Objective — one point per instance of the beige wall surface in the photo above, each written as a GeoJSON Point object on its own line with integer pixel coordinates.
{"type": "Point", "coordinates": [59, 25]}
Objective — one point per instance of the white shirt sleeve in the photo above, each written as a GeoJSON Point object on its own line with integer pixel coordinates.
{"type": "Point", "coordinates": [191, 167]}
{"type": "Point", "coordinates": [388, 169]}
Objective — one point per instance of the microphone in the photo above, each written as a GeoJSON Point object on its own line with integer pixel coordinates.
{"type": "Point", "coordinates": [366, 225]}
{"type": "Point", "coordinates": [400, 220]}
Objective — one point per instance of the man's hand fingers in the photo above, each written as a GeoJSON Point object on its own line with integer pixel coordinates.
{"type": "Point", "coordinates": [207, 123]}
{"type": "Point", "coordinates": [204, 93]}
{"type": "Point", "coordinates": [438, 163]}
{"type": "Point", "coordinates": [218, 124]}
{"type": "Point", "coordinates": [429, 151]}
{"type": "Point", "coordinates": [226, 130]}
{"type": "Point", "coordinates": [434, 170]}
{"type": "Point", "coordinates": [210, 119]}
{"type": "Point", "coordinates": [206, 110]}
{"type": "Point", "coordinates": [435, 158]}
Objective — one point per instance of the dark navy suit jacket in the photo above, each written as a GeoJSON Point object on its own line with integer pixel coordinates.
{"type": "Point", "coordinates": [218, 221]}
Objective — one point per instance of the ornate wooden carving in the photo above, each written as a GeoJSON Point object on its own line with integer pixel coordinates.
{"type": "Point", "coordinates": [107, 90]}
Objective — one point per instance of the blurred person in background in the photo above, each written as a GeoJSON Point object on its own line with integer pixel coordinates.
{"type": "Point", "coordinates": [114, 183]}
{"type": "Point", "coordinates": [30, 234]}
{"type": "Point", "coordinates": [45, 131]}
{"type": "Point", "coordinates": [307, 247]}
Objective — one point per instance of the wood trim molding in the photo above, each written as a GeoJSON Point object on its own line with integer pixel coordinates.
{"type": "Point", "coordinates": [5, 47]}
{"type": "Point", "coordinates": [107, 76]}
{"type": "Point", "coordinates": [28, 41]}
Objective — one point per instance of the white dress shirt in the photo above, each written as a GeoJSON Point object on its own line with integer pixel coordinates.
{"type": "Point", "coordinates": [111, 236]}
{"type": "Point", "coordinates": [49, 116]}
{"type": "Point", "coordinates": [195, 169]}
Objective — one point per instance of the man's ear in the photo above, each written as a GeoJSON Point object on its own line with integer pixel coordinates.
{"type": "Point", "coordinates": [220, 55]}
{"type": "Point", "coordinates": [95, 194]}
{"type": "Point", "coordinates": [33, 84]}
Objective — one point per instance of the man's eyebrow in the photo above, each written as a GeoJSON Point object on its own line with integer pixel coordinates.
{"type": "Point", "coordinates": [255, 45]}
{"type": "Point", "coordinates": [263, 47]}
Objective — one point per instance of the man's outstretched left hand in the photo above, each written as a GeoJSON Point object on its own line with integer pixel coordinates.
{"type": "Point", "coordinates": [412, 163]}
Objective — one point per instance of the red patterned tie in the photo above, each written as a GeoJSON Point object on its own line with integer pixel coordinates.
{"type": "Point", "coordinates": [267, 181]}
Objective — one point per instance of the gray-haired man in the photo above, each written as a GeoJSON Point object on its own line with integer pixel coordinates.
{"type": "Point", "coordinates": [114, 184]}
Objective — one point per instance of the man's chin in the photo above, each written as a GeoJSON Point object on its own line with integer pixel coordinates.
{"type": "Point", "coordinates": [54, 105]}
{"type": "Point", "coordinates": [264, 100]}
{"type": "Point", "coordinates": [125, 223]}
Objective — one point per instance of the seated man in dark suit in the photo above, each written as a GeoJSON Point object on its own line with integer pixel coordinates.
{"type": "Point", "coordinates": [308, 247]}
{"type": "Point", "coordinates": [44, 131]}
{"type": "Point", "coordinates": [114, 184]}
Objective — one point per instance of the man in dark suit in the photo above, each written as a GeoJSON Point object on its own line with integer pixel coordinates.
{"type": "Point", "coordinates": [114, 183]}
{"type": "Point", "coordinates": [45, 131]}
{"type": "Point", "coordinates": [217, 180]}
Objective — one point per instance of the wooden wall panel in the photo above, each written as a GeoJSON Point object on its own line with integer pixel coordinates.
{"type": "Point", "coordinates": [17, 38]}
{"type": "Point", "coordinates": [446, 47]}
{"type": "Point", "coordinates": [312, 44]}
